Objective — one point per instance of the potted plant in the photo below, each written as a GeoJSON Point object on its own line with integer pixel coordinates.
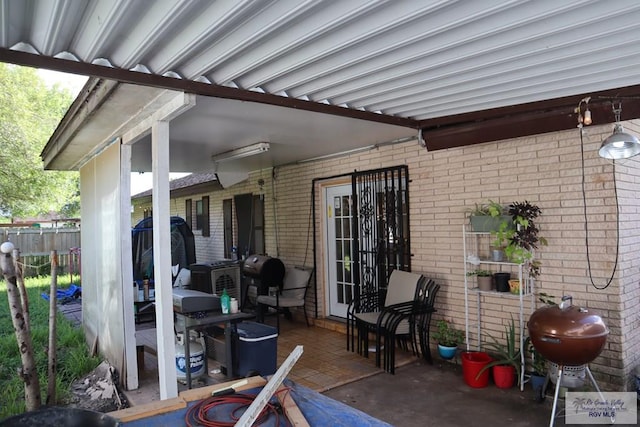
{"type": "Point", "coordinates": [506, 363]}
{"type": "Point", "coordinates": [484, 278]}
{"type": "Point", "coordinates": [537, 365]}
{"type": "Point", "coordinates": [519, 235]}
{"type": "Point", "coordinates": [448, 338]}
{"type": "Point", "coordinates": [487, 217]}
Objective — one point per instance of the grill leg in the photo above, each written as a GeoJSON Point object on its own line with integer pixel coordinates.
{"type": "Point", "coordinates": [595, 385]}
{"type": "Point", "coordinates": [555, 396]}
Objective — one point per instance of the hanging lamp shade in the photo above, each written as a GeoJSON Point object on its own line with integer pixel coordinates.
{"type": "Point", "coordinates": [620, 145]}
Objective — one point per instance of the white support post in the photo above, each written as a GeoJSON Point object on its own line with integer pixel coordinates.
{"type": "Point", "coordinates": [126, 262]}
{"type": "Point", "coordinates": [162, 260]}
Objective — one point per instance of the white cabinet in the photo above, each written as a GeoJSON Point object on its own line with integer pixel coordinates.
{"type": "Point", "coordinates": [480, 304]}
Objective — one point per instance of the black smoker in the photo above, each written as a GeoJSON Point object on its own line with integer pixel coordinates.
{"type": "Point", "coordinates": [263, 272]}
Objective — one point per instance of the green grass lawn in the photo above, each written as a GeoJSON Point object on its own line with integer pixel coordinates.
{"type": "Point", "coordinates": [73, 360]}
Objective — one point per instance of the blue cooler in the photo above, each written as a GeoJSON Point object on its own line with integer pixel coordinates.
{"type": "Point", "coordinates": [256, 349]}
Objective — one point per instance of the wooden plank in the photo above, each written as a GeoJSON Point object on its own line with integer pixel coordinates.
{"type": "Point", "coordinates": [290, 408]}
{"type": "Point", "coordinates": [253, 411]}
{"type": "Point", "coordinates": [204, 392]}
{"type": "Point", "coordinates": [164, 406]}
{"type": "Point", "coordinates": [149, 409]}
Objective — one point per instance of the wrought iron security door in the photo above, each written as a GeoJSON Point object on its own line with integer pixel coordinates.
{"type": "Point", "coordinates": [381, 240]}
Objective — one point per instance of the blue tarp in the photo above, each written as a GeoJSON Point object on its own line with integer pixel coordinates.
{"type": "Point", "coordinates": [66, 294]}
{"type": "Point", "coordinates": [318, 409]}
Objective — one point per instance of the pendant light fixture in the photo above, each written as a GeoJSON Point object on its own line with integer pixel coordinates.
{"type": "Point", "coordinates": [620, 145]}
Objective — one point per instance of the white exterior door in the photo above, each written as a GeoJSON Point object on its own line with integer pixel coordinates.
{"type": "Point", "coordinates": [340, 255]}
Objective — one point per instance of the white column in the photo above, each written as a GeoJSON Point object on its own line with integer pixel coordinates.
{"type": "Point", "coordinates": [162, 260]}
{"type": "Point", "coordinates": [131, 361]}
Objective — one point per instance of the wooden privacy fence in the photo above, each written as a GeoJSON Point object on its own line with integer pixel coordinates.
{"type": "Point", "coordinates": [35, 246]}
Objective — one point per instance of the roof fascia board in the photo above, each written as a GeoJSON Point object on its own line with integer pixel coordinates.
{"type": "Point", "coordinates": [165, 105]}
{"type": "Point", "coordinates": [200, 188]}
{"type": "Point", "coordinates": [203, 187]}
{"type": "Point", "coordinates": [521, 120]}
{"type": "Point", "coordinates": [200, 88]}
{"type": "Point", "coordinates": [83, 107]}
{"type": "Point", "coordinates": [566, 103]}
{"type": "Point", "coordinates": [522, 125]}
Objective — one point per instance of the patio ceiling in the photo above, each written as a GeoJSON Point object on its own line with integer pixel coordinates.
{"type": "Point", "coordinates": [463, 72]}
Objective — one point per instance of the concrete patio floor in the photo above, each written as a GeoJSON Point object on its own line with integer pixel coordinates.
{"type": "Point", "coordinates": [418, 394]}
{"type": "Point", "coordinates": [436, 395]}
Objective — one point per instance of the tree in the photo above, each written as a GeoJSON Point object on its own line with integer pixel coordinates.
{"type": "Point", "coordinates": [21, 325]}
{"type": "Point", "coordinates": [29, 113]}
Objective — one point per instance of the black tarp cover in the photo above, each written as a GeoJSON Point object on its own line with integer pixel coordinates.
{"type": "Point", "coordinates": [183, 249]}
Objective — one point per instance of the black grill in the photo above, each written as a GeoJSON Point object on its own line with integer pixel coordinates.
{"type": "Point", "coordinates": [265, 271]}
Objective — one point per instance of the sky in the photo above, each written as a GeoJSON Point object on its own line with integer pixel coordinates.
{"type": "Point", "coordinates": [73, 82]}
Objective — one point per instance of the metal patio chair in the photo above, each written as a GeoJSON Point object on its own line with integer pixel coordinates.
{"type": "Point", "coordinates": [407, 322]}
{"type": "Point", "coordinates": [364, 315]}
{"type": "Point", "coordinates": [292, 294]}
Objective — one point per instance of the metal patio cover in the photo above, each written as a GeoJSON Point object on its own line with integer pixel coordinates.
{"type": "Point", "coordinates": [461, 71]}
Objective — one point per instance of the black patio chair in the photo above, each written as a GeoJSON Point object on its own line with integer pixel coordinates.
{"type": "Point", "coordinates": [364, 312]}
{"type": "Point", "coordinates": [408, 321]}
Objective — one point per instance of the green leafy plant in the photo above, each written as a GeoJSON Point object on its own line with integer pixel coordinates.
{"type": "Point", "coordinates": [546, 298]}
{"type": "Point", "coordinates": [446, 335]}
{"type": "Point", "coordinates": [480, 273]}
{"type": "Point", "coordinates": [490, 208]}
{"type": "Point", "coordinates": [537, 363]}
{"type": "Point", "coordinates": [506, 353]}
{"type": "Point", "coordinates": [520, 236]}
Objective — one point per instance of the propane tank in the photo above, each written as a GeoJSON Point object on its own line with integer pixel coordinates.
{"type": "Point", "coordinates": [196, 354]}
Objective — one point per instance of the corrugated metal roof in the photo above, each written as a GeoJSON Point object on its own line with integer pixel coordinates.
{"type": "Point", "coordinates": [416, 61]}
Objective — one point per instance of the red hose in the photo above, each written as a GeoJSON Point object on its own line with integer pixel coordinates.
{"type": "Point", "coordinates": [198, 414]}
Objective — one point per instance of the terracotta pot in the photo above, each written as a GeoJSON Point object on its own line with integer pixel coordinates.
{"type": "Point", "coordinates": [514, 286]}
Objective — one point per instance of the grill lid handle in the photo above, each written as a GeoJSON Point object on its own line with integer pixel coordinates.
{"type": "Point", "coordinates": [567, 301]}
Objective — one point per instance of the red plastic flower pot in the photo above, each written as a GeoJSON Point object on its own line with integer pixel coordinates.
{"type": "Point", "coordinates": [504, 376]}
{"type": "Point", "coordinates": [472, 364]}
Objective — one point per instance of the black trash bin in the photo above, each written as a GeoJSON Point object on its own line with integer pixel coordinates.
{"type": "Point", "coordinates": [256, 349]}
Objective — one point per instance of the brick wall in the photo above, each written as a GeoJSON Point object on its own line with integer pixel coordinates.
{"type": "Point", "coordinates": [628, 180]}
{"type": "Point", "coordinates": [544, 169]}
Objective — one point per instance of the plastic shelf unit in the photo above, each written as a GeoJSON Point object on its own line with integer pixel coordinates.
{"type": "Point", "coordinates": [476, 247]}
